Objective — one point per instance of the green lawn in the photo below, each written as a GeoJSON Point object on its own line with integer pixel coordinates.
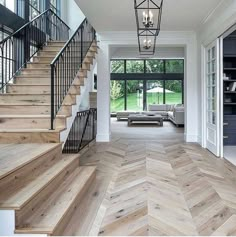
{"type": "Point", "coordinates": [137, 104]}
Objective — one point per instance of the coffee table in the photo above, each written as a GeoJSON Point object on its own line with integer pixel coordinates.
{"type": "Point", "coordinates": [145, 118]}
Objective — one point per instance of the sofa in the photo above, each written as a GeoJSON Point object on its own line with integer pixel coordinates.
{"type": "Point", "coordinates": [160, 109]}
{"type": "Point", "coordinates": [177, 115]}
{"type": "Point", "coordinates": [174, 113]}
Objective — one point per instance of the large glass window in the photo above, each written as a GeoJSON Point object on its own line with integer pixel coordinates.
{"type": "Point", "coordinates": [10, 4]}
{"type": "Point", "coordinates": [117, 66]}
{"type": "Point", "coordinates": [34, 8]}
{"type": "Point", "coordinates": [135, 84]}
{"type": "Point", "coordinates": [134, 95]}
{"type": "Point", "coordinates": [173, 92]}
{"type": "Point", "coordinates": [155, 92]}
{"type": "Point", "coordinates": [117, 95]}
{"type": "Point", "coordinates": [134, 66]}
{"type": "Point", "coordinates": [155, 66]}
{"type": "Point", "coordinates": [55, 6]}
{"type": "Point", "coordinates": [174, 66]}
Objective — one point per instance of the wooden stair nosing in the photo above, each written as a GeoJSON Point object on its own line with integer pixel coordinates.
{"type": "Point", "coordinates": [72, 183]}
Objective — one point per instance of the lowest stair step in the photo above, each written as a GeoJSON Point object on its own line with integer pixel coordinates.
{"type": "Point", "coordinates": [42, 174]}
{"type": "Point", "coordinates": [55, 211]}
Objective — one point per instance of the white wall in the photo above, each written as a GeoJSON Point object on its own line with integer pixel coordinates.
{"type": "Point", "coordinates": [71, 14]}
{"type": "Point", "coordinates": [220, 21]}
{"type": "Point", "coordinates": [184, 40]}
{"type": "Point", "coordinates": [161, 52]}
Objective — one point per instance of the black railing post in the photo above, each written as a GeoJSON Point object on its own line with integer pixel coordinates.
{"type": "Point", "coordinates": [52, 96]}
{"type": "Point", "coordinates": [81, 46]}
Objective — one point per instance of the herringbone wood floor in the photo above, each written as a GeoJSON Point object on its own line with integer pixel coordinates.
{"type": "Point", "coordinates": [149, 182]}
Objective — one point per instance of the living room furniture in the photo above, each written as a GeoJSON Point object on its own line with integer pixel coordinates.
{"type": "Point", "coordinates": [173, 113]}
{"type": "Point", "coordinates": [177, 115]}
{"type": "Point", "coordinates": [161, 109]}
{"type": "Point", "coordinates": [124, 114]}
{"type": "Point", "coordinates": [145, 118]}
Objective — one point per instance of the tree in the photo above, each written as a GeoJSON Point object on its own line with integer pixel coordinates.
{"type": "Point", "coordinates": [116, 90]}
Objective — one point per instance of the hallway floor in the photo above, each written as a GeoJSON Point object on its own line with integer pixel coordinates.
{"type": "Point", "coordinates": [150, 182]}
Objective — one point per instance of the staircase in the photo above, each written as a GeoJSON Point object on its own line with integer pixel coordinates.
{"type": "Point", "coordinates": [26, 106]}
{"type": "Point", "coordinates": [41, 186]}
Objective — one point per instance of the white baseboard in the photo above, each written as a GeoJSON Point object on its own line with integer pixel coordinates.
{"type": "Point", "coordinates": [191, 138]}
{"type": "Point", "coordinates": [199, 138]}
{"type": "Point", "coordinates": [7, 220]}
{"type": "Point", "coordinates": [103, 138]}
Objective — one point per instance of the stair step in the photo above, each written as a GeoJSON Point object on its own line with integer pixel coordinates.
{"type": "Point", "coordinates": [56, 43]}
{"type": "Point", "coordinates": [32, 80]}
{"type": "Point", "coordinates": [47, 53]}
{"type": "Point", "coordinates": [10, 160]}
{"type": "Point", "coordinates": [38, 71]}
{"type": "Point", "coordinates": [41, 186]}
{"type": "Point", "coordinates": [24, 136]}
{"type": "Point", "coordinates": [37, 89]}
{"type": "Point", "coordinates": [36, 99]}
{"type": "Point", "coordinates": [38, 65]}
{"type": "Point", "coordinates": [31, 121]}
{"type": "Point", "coordinates": [26, 183]}
{"type": "Point", "coordinates": [54, 213]}
{"type": "Point", "coordinates": [7, 109]}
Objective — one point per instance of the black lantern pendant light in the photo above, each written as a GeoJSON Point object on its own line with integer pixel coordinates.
{"type": "Point", "coordinates": [148, 19]}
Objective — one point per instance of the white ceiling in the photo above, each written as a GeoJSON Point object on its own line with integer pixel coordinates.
{"type": "Point", "coordinates": [118, 15]}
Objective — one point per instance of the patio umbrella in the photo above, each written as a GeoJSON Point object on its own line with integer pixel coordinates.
{"type": "Point", "coordinates": [158, 90]}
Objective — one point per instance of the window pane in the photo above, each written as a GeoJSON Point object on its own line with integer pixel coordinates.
{"type": "Point", "coordinates": [173, 92]}
{"type": "Point", "coordinates": [174, 66]}
{"type": "Point", "coordinates": [155, 66]}
{"type": "Point", "coordinates": [155, 92]}
{"type": "Point", "coordinates": [135, 95]}
{"type": "Point", "coordinates": [117, 66]}
{"type": "Point", "coordinates": [117, 95]}
{"type": "Point", "coordinates": [135, 66]}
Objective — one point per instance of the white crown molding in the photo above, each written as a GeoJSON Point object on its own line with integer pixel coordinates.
{"type": "Point", "coordinates": [211, 13]}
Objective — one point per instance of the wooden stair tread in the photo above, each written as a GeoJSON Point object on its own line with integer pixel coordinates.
{"type": "Point", "coordinates": [30, 130]}
{"type": "Point", "coordinates": [15, 156]}
{"type": "Point", "coordinates": [31, 116]}
{"type": "Point", "coordinates": [49, 215]}
{"type": "Point", "coordinates": [17, 198]}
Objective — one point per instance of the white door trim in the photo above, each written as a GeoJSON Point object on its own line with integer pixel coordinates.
{"type": "Point", "coordinates": [213, 146]}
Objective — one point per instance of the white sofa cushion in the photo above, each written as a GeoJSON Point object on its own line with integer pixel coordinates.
{"type": "Point", "coordinates": [158, 107]}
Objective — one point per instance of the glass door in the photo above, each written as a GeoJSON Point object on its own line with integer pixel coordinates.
{"type": "Point", "coordinates": [212, 98]}
{"type": "Point", "coordinates": [134, 95]}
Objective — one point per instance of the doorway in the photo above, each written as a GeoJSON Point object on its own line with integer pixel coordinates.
{"type": "Point", "coordinates": [229, 95]}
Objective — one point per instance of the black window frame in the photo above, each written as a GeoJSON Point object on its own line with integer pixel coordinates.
{"type": "Point", "coordinates": [148, 76]}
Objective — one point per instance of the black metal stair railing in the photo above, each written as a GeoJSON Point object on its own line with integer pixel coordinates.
{"type": "Point", "coordinates": [83, 131]}
{"type": "Point", "coordinates": [66, 65]}
{"type": "Point", "coordinates": [17, 49]}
